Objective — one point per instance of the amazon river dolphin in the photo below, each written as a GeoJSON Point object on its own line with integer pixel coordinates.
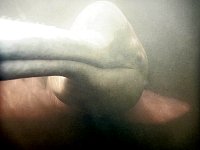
{"type": "Point", "coordinates": [99, 60]}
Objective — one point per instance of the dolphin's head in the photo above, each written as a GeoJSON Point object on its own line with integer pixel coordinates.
{"type": "Point", "coordinates": [99, 64]}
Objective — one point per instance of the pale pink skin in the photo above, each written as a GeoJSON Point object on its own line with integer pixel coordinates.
{"type": "Point", "coordinates": [30, 112]}
{"type": "Point", "coordinates": [17, 95]}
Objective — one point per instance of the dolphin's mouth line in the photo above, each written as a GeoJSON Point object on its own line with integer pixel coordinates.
{"type": "Point", "coordinates": [77, 60]}
{"type": "Point", "coordinates": [14, 69]}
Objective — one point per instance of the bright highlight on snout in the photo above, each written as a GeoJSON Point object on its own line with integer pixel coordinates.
{"type": "Point", "coordinates": [16, 30]}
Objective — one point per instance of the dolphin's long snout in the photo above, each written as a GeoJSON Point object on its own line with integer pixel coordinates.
{"type": "Point", "coordinates": [100, 51]}
{"type": "Point", "coordinates": [100, 37]}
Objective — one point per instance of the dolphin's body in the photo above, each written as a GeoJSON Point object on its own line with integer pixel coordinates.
{"type": "Point", "coordinates": [100, 56]}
